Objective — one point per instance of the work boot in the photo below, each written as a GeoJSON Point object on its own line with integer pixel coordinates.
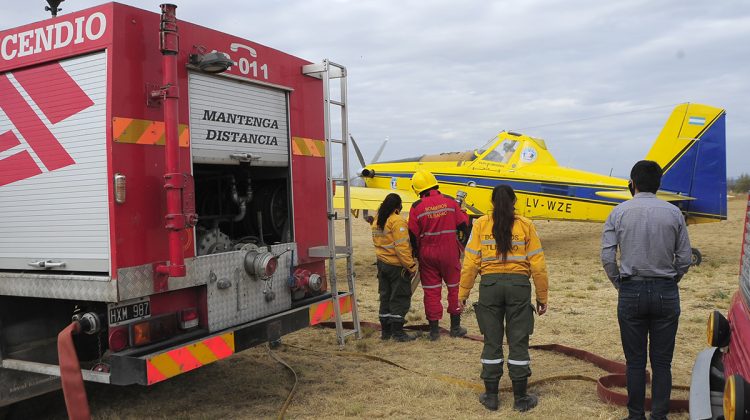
{"type": "Point", "coordinates": [385, 330]}
{"type": "Point", "coordinates": [489, 398]}
{"type": "Point", "coordinates": [521, 400]}
{"type": "Point", "coordinates": [434, 330]}
{"type": "Point", "coordinates": [399, 334]}
{"type": "Point", "coordinates": [456, 329]}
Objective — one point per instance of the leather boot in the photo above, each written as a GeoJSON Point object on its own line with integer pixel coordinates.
{"type": "Point", "coordinates": [521, 400]}
{"type": "Point", "coordinates": [490, 399]}
{"type": "Point", "coordinates": [456, 329]}
{"type": "Point", "coordinates": [434, 330]}
{"type": "Point", "coordinates": [385, 329]}
{"type": "Point", "coordinates": [399, 334]}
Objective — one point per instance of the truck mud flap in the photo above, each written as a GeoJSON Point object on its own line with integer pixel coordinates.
{"type": "Point", "coordinates": [154, 367]}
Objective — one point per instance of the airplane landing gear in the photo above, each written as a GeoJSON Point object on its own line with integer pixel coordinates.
{"type": "Point", "coordinates": [696, 257]}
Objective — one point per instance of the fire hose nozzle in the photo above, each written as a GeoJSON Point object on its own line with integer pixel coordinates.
{"type": "Point", "coordinates": [90, 322]}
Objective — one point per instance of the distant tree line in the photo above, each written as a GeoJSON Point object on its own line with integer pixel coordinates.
{"type": "Point", "coordinates": [740, 184]}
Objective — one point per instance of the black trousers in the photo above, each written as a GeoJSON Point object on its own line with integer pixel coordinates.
{"type": "Point", "coordinates": [648, 312]}
{"type": "Point", "coordinates": [394, 287]}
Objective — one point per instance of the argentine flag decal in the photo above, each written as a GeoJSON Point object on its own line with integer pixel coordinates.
{"type": "Point", "coordinates": [697, 121]}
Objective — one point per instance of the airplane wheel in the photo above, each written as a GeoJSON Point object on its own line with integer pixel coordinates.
{"type": "Point", "coordinates": [696, 257]}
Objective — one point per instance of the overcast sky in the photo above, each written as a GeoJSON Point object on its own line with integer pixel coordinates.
{"type": "Point", "coordinates": [595, 79]}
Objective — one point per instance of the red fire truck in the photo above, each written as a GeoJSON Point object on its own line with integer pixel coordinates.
{"type": "Point", "coordinates": [720, 385]}
{"type": "Point", "coordinates": [166, 198]}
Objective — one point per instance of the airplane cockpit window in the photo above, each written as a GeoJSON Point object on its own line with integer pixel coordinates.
{"type": "Point", "coordinates": [503, 152]}
{"type": "Point", "coordinates": [486, 146]}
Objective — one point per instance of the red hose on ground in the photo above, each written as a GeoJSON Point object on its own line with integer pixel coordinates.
{"type": "Point", "coordinates": [604, 385]}
{"type": "Point", "coordinates": [70, 374]}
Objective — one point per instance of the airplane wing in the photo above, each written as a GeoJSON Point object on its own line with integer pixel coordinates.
{"type": "Point", "coordinates": [363, 198]}
{"type": "Point", "coordinates": [625, 195]}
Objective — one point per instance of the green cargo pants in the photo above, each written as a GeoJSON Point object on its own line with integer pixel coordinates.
{"type": "Point", "coordinates": [394, 287]}
{"type": "Point", "coordinates": [505, 297]}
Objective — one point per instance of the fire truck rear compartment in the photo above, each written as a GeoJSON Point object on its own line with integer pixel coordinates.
{"type": "Point", "coordinates": [240, 204]}
{"type": "Point", "coordinates": [30, 327]}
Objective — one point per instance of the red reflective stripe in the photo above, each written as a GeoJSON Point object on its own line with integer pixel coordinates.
{"type": "Point", "coordinates": [219, 347]}
{"type": "Point", "coordinates": [8, 140]}
{"type": "Point", "coordinates": [184, 359]}
{"type": "Point", "coordinates": [37, 135]}
{"type": "Point", "coordinates": [152, 373]}
{"type": "Point", "coordinates": [17, 167]}
{"type": "Point", "coordinates": [320, 312]}
{"type": "Point", "coordinates": [65, 100]}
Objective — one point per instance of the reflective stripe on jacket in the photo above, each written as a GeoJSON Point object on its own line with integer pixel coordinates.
{"type": "Point", "coordinates": [392, 242]}
{"type": "Point", "coordinates": [434, 219]}
{"type": "Point", "coordinates": [526, 256]}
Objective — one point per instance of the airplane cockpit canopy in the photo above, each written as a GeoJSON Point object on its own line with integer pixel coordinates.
{"type": "Point", "coordinates": [501, 153]}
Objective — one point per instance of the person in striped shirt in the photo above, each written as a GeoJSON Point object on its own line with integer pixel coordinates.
{"type": "Point", "coordinates": [505, 250]}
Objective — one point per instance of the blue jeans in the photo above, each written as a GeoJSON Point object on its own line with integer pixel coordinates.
{"type": "Point", "coordinates": [648, 311]}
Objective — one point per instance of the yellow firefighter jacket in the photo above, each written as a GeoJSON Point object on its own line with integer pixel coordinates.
{"type": "Point", "coordinates": [526, 256]}
{"type": "Point", "coordinates": [392, 243]}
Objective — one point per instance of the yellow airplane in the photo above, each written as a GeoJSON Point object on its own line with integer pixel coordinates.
{"type": "Point", "coordinates": [691, 149]}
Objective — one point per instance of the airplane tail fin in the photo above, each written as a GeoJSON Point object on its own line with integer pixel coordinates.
{"type": "Point", "coordinates": [691, 149]}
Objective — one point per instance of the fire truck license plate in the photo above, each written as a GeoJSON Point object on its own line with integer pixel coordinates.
{"type": "Point", "coordinates": [123, 313]}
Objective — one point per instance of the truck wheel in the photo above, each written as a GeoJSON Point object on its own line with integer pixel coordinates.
{"type": "Point", "coordinates": [696, 257]}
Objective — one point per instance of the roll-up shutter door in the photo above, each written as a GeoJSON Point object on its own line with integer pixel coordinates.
{"type": "Point", "coordinates": [230, 117]}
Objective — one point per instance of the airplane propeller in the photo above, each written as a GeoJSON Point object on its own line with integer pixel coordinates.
{"type": "Point", "coordinates": [379, 152]}
{"type": "Point", "coordinates": [359, 152]}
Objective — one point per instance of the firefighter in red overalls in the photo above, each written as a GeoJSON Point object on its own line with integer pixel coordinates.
{"type": "Point", "coordinates": [434, 222]}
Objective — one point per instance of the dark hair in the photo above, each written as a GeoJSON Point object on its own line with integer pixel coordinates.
{"type": "Point", "coordinates": [503, 216]}
{"type": "Point", "coordinates": [646, 175]}
{"type": "Point", "coordinates": [391, 203]}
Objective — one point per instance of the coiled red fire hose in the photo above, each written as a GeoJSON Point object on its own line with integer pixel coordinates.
{"type": "Point", "coordinates": [70, 374]}
{"type": "Point", "coordinates": [604, 384]}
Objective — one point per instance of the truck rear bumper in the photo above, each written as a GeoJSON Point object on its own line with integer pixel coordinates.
{"type": "Point", "coordinates": [150, 367]}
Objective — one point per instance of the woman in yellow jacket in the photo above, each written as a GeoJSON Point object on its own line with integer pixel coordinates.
{"type": "Point", "coordinates": [396, 267]}
{"type": "Point", "coordinates": [505, 249]}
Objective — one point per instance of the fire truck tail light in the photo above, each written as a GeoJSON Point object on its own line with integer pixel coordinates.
{"type": "Point", "coordinates": [141, 333]}
{"type": "Point", "coordinates": [120, 188]}
{"type": "Point", "coordinates": [154, 329]}
{"type": "Point", "coordinates": [118, 339]}
{"type": "Point", "coordinates": [188, 318]}
{"type": "Point", "coordinates": [717, 330]}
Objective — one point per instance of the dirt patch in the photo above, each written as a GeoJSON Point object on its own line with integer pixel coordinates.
{"type": "Point", "coordinates": [582, 313]}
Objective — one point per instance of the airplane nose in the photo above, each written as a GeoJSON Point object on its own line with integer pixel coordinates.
{"type": "Point", "coordinates": [368, 173]}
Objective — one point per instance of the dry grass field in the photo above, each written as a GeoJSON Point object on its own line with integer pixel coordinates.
{"type": "Point", "coordinates": [582, 314]}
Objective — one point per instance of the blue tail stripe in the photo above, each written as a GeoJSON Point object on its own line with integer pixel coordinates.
{"type": "Point", "coordinates": [701, 172]}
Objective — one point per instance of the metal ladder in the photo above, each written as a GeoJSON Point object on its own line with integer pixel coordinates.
{"type": "Point", "coordinates": [326, 71]}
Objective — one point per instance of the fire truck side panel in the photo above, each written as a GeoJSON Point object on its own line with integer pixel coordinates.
{"type": "Point", "coordinates": [54, 198]}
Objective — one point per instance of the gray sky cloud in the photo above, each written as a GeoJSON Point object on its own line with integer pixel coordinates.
{"type": "Point", "coordinates": [596, 80]}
